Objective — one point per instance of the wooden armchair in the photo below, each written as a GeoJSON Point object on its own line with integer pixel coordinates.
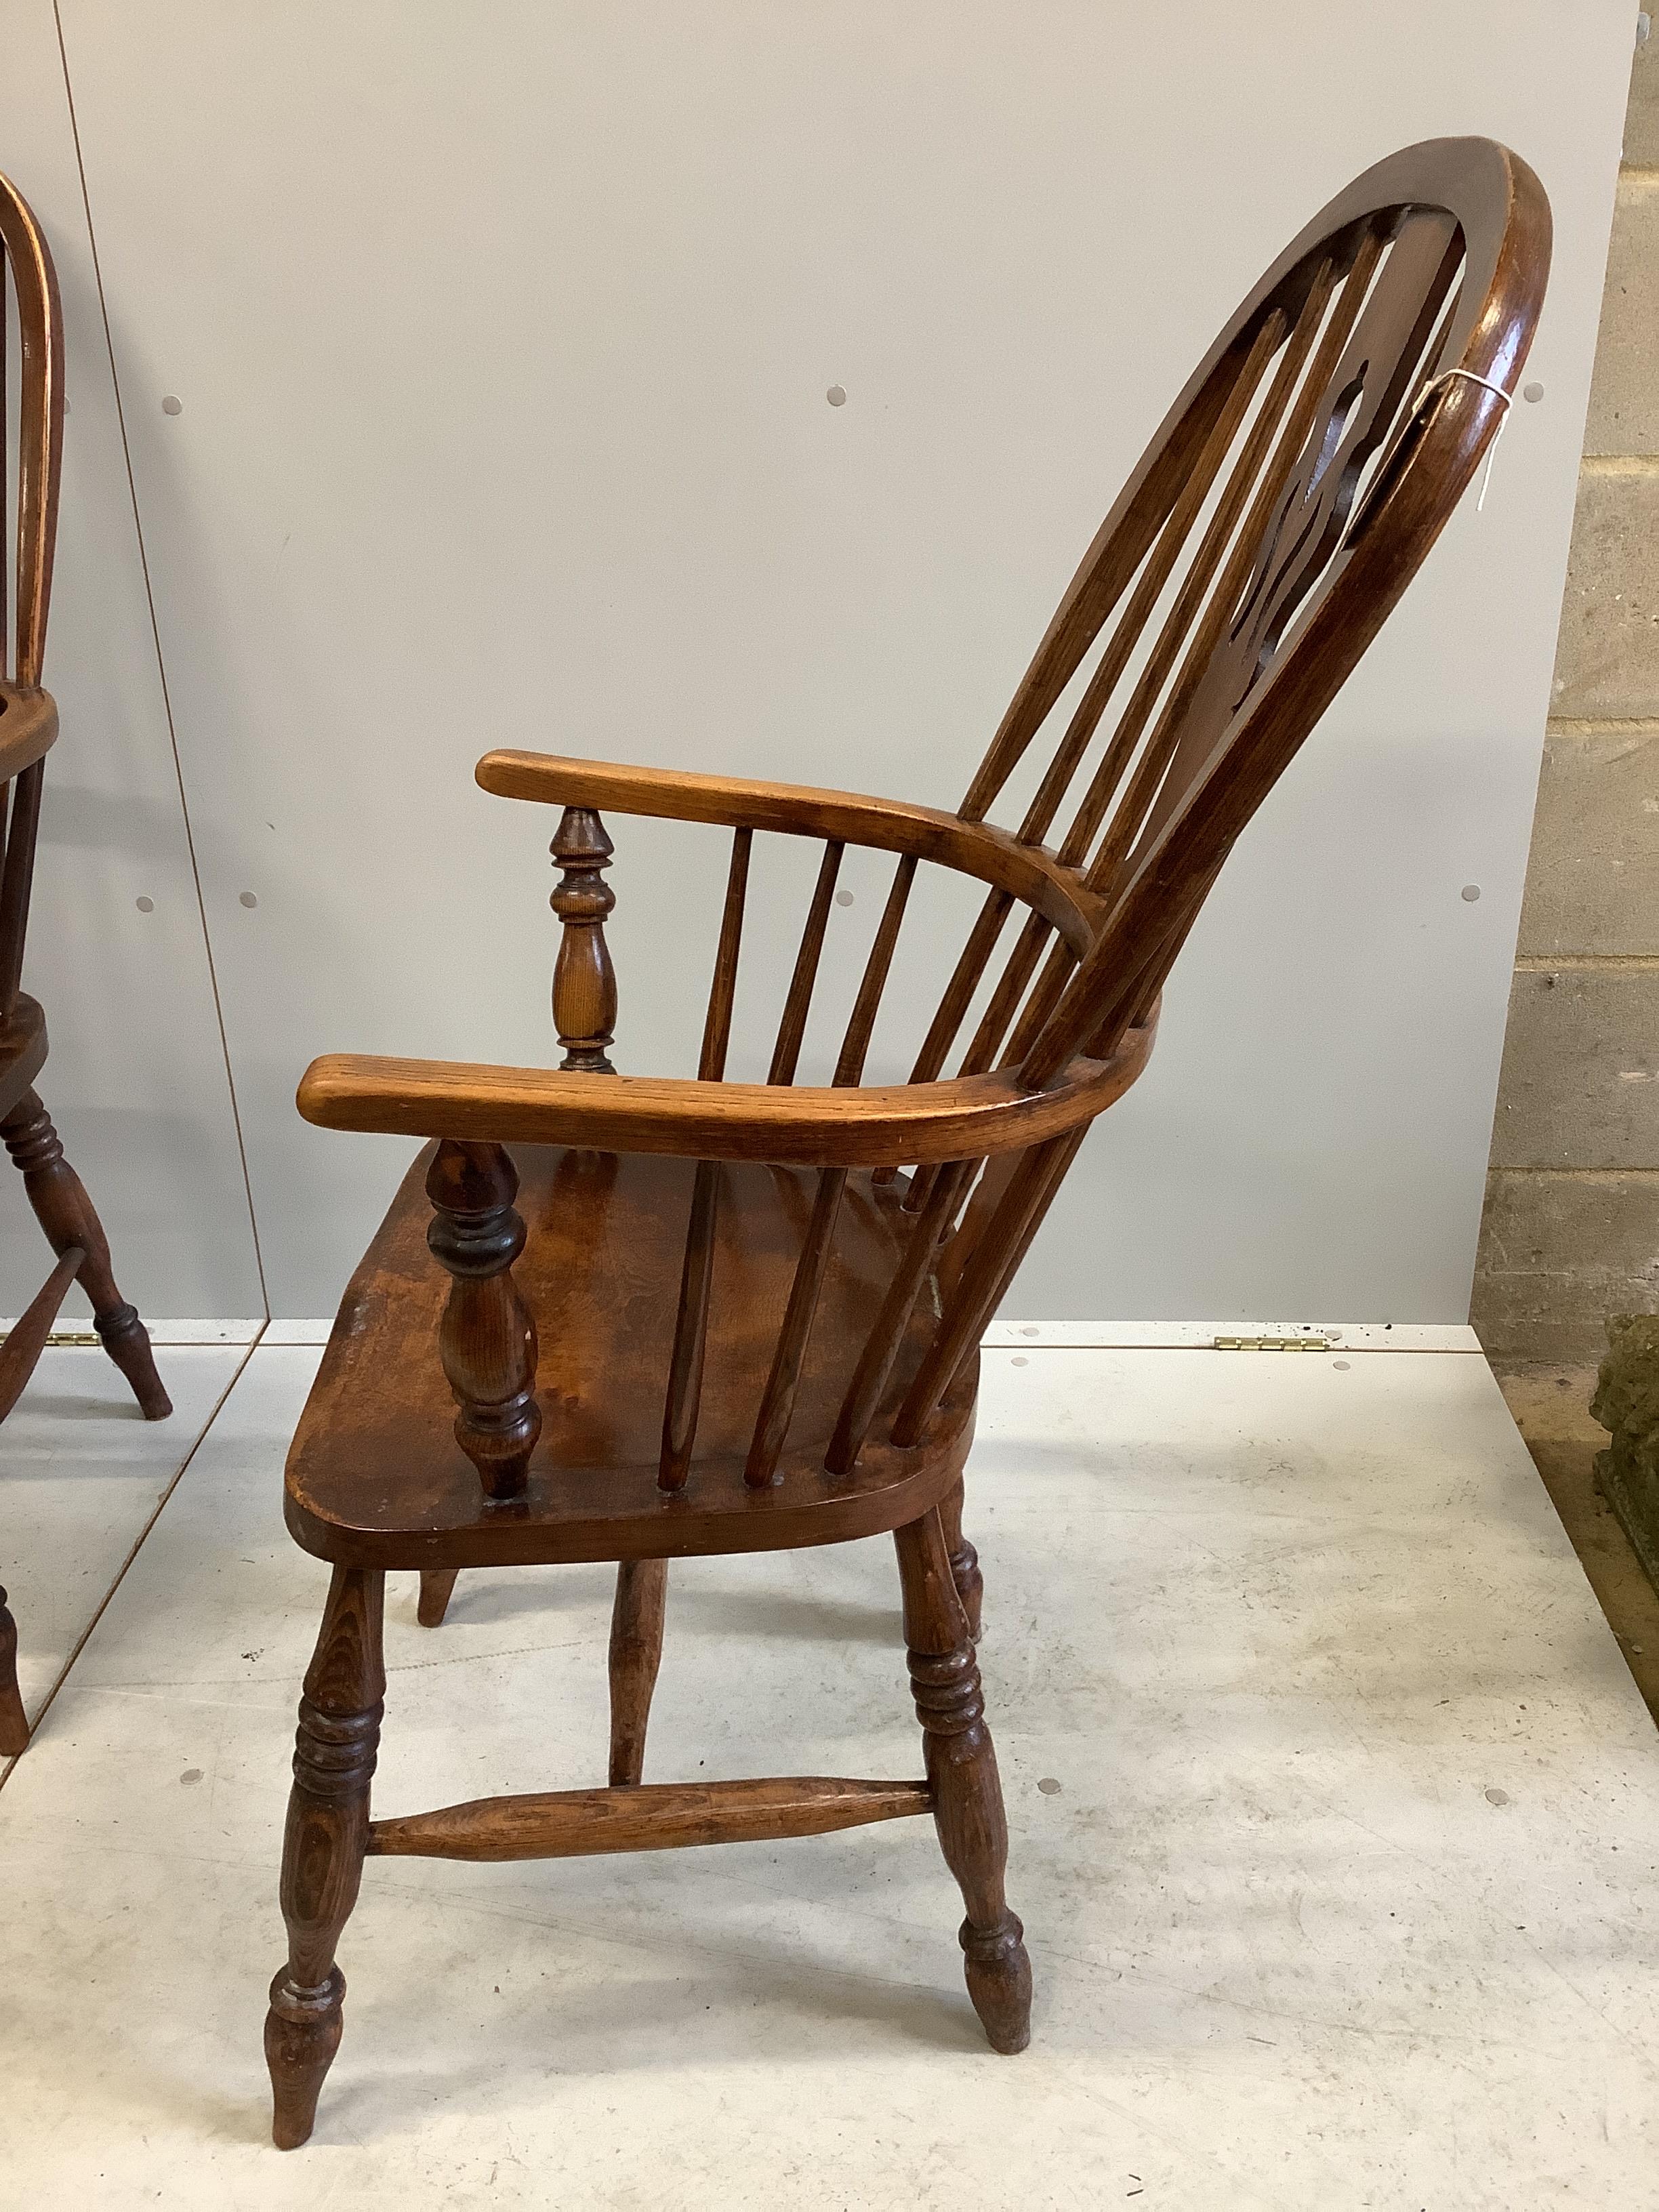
{"type": "Point", "coordinates": [702, 1317]}
{"type": "Point", "coordinates": [28, 727]}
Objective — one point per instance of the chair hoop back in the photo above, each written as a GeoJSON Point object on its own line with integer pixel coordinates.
{"type": "Point", "coordinates": [1281, 509]}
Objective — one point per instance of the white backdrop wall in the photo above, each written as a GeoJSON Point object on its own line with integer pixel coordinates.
{"type": "Point", "coordinates": [501, 337]}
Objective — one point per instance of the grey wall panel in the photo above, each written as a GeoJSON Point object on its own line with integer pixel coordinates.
{"type": "Point", "coordinates": [136, 1080]}
{"type": "Point", "coordinates": [502, 337]}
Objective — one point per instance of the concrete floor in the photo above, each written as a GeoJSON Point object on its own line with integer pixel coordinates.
{"type": "Point", "coordinates": [1341, 1900]}
{"type": "Point", "coordinates": [1551, 1408]}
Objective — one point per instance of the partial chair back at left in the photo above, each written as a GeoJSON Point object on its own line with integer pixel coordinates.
{"type": "Point", "coordinates": [31, 450]}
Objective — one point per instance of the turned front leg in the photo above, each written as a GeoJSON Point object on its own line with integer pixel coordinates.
{"type": "Point", "coordinates": [323, 1848]}
{"type": "Point", "coordinates": [487, 1338]}
{"type": "Point", "coordinates": [962, 1771]}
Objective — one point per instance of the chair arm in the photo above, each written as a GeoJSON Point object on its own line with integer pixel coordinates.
{"type": "Point", "coordinates": [1031, 873]}
{"type": "Point", "coordinates": [28, 727]}
{"type": "Point", "coordinates": [881, 1127]}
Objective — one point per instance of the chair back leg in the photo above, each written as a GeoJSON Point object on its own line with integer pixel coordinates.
{"type": "Point", "coordinates": [436, 1584]}
{"type": "Point", "coordinates": [636, 1622]}
{"type": "Point", "coordinates": [323, 1848]}
{"type": "Point", "coordinates": [962, 1771]}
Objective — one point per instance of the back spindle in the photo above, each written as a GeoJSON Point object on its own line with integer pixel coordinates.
{"type": "Point", "coordinates": [856, 1045]}
{"type": "Point", "coordinates": [778, 1403]}
{"type": "Point", "coordinates": [858, 1409]}
{"type": "Point", "coordinates": [722, 989]}
{"type": "Point", "coordinates": [792, 1028]}
{"type": "Point", "coordinates": [685, 1366]}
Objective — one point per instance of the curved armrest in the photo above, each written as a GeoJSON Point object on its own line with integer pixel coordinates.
{"type": "Point", "coordinates": [28, 727]}
{"type": "Point", "coordinates": [889, 1126]}
{"type": "Point", "coordinates": [1031, 873]}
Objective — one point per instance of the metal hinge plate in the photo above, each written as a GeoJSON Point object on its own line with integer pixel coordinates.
{"type": "Point", "coordinates": [1273, 1344]}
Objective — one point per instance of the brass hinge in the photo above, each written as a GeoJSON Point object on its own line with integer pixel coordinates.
{"type": "Point", "coordinates": [61, 1336]}
{"type": "Point", "coordinates": [1273, 1344]}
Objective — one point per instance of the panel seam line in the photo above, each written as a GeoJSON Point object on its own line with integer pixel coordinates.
{"type": "Point", "coordinates": [138, 1543]}
{"type": "Point", "coordinates": [161, 666]}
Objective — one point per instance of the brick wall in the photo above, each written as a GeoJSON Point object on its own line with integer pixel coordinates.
{"type": "Point", "coordinates": [1571, 1226]}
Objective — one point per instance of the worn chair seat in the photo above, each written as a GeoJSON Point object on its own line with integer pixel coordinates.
{"type": "Point", "coordinates": [375, 1477]}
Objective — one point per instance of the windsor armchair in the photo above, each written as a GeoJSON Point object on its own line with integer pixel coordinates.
{"type": "Point", "coordinates": [28, 727]}
{"type": "Point", "coordinates": [684, 1316]}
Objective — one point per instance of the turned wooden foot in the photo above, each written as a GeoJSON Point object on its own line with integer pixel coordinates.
{"type": "Point", "coordinates": [302, 2033]}
{"type": "Point", "coordinates": [965, 1560]}
{"type": "Point", "coordinates": [961, 1768]}
{"type": "Point", "coordinates": [68, 1218]}
{"type": "Point", "coordinates": [636, 1622]}
{"type": "Point", "coordinates": [327, 1834]}
{"type": "Point", "coordinates": [14, 1726]}
{"type": "Point", "coordinates": [436, 1583]}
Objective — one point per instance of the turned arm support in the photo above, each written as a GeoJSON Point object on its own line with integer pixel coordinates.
{"type": "Point", "coordinates": [487, 1338]}
{"type": "Point", "coordinates": [584, 980]}
{"type": "Point", "coordinates": [888, 1125]}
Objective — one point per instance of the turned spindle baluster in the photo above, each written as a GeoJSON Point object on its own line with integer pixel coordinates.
{"type": "Point", "coordinates": [488, 1339]}
{"type": "Point", "coordinates": [584, 981]}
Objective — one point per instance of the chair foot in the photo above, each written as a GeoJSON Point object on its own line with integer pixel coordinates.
{"type": "Point", "coordinates": [126, 1339]}
{"type": "Point", "coordinates": [68, 1217]}
{"type": "Point", "coordinates": [998, 1975]}
{"type": "Point", "coordinates": [436, 1584]}
{"type": "Point", "coordinates": [964, 1561]}
{"type": "Point", "coordinates": [302, 2033]}
{"type": "Point", "coordinates": [961, 1768]}
{"type": "Point", "coordinates": [14, 1722]}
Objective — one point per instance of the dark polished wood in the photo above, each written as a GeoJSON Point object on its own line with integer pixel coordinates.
{"type": "Point", "coordinates": [32, 427]}
{"type": "Point", "coordinates": [584, 980]}
{"type": "Point", "coordinates": [26, 1339]}
{"type": "Point", "coordinates": [437, 1587]}
{"type": "Point", "coordinates": [564, 1824]}
{"type": "Point", "coordinates": [14, 1722]}
{"type": "Point", "coordinates": [748, 1315]}
{"type": "Point", "coordinates": [961, 1773]}
{"type": "Point", "coordinates": [66, 1213]}
{"type": "Point", "coordinates": [636, 1625]}
{"type": "Point", "coordinates": [487, 1338]}
{"type": "Point", "coordinates": [375, 1476]}
{"type": "Point", "coordinates": [334, 1754]}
